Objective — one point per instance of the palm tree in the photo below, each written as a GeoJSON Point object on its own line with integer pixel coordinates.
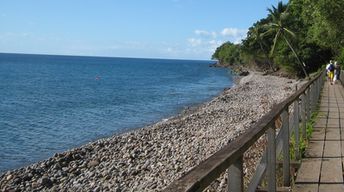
{"type": "Point", "coordinates": [277, 26]}
{"type": "Point", "coordinates": [257, 36]}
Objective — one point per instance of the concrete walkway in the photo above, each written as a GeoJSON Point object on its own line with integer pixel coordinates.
{"type": "Point", "coordinates": [322, 168]}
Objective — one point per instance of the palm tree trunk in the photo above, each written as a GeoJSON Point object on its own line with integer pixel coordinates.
{"type": "Point", "coordinates": [292, 49]}
{"type": "Point", "coordinates": [267, 57]}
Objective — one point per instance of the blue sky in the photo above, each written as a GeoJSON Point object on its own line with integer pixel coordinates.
{"type": "Point", "coordinates": [179, 29]}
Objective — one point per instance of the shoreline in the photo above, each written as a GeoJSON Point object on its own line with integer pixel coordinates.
{"type": "Point", "coordinates": [141, 159]}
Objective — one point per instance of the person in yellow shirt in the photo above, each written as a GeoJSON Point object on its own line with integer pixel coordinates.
{"type": "Point", "coordinates": [330, 72]}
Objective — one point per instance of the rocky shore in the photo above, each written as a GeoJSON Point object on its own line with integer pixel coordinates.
{"type": "Point", "coordinates": [150, 158]}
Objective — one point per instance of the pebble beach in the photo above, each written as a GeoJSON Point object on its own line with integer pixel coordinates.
{"type": "Point", "coordinates": [150, 158]}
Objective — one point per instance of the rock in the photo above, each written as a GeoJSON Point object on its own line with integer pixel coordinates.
{"type": "Point", "coordinates": [46, 182]}
{"type": "Point", "coordinates": [60, 174]}
{"type": "Point", "coordinates": [9, 177]}
{"type": "Point", "coordinates": [17, 180]}
{"type": "Point", "coordinates": [57, 166]}
{"type": "Point", "coordinates": [123, 174]}
{"type": "Point", "coordinates": [244, 73]}
{"type": "Point", "coordinates": [34, 185]}
{"type": "Point", "coordinates": [27, 177]}
{"type": "Point", "coordinates": [97, 189]}
{"type": "Point", "coordinates": [93, 163]}
{"type": "Point", "coordinates": [91, 174]}
{"type": "Point", "coordinates": [103, 159]}
{"type": "Point", "coordinates": [54, 188]}
{"type": "Point", "coordinates": [65, 169]}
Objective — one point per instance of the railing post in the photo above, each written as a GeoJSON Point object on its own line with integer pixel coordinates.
{"type": "Point", "coordinates": [297, 127]}
{"type": "Point", "coordinates": [286, 151]}
{"type": "Point", "coordinates": [271, 167]}
{"type": "Point", "coordinates": [235, 176]}
{"type": "Point", "coordinates": [310, 100]}
{"type": "Point", "coordinates": [313, 96]}
{"type": "Point", "coordinates": [303, 114]}
{"type": "Point", "coordinates": [309, 107]}
{"type": "Point", "coordinates": [314, 93]}
{"type": "Point", "coordinates": [320, 86]}
{"type": "Point", "coordinates": [317, 91]}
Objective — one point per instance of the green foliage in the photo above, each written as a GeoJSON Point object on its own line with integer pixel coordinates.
{"type": "Point", "coordinates": [303, 140]}
{"type": "Point", "coordinates": [340, 57]}
{"type": "Point", "coordinates": [256, 46]}
{"type": "Point", "coordinates": [278, 26]}
{"type": "Point", "coordinates": [303, 34]}
{"type": "Point", "coordinates": [326, 20]}
{"type": "Point", "coordinates": [228, 53]}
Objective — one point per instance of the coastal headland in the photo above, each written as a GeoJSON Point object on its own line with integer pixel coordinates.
{"type": "Point", "coordinates": [150, 158]}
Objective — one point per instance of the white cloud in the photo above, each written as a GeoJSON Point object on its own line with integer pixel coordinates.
{"type": "Point", "coordinates": [214, 44]}
{"type": "Point", "coordinates": [233, 32]}
{"type": "Point", "coordinates": [211, 38]}
{"type": "Point", "coordinates": [206, 33]}
{"type": "Point", "coordinates": [194, 42]}
{"type": "Point", "coordinates": [204, 42]}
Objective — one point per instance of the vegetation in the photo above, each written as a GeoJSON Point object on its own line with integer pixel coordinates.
{"type": "Point", "coordinates": [297, 37]}
{"type": "Point", "coordinates": [228, 53]}
{"type": "Point", "coordinates": [304, 139]}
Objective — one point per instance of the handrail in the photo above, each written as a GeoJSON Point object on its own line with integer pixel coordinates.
{"type": "Point", "coordinates": [201, 176]}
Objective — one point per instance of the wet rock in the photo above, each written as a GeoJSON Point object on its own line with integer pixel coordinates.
{"type": "Point", "coordinates": [244, 73]}
{"type": "Point", "coordinates": [27, 177]}
{"type": "Point", "coordinates": [46, 182]}
{"type": "Point", "coordinates": [17, 180]}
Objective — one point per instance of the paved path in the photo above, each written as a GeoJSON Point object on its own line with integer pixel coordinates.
{"type": "Point", "coordinates": [322, 168]}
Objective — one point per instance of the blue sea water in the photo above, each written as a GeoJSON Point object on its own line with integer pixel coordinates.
{"type": "Point", "coordinates": [49, 104]}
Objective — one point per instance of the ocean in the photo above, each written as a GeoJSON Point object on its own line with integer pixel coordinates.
{"type": "Point", "coordinates": [49, 104]}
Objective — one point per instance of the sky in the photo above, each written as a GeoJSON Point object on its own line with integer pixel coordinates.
{"type": "Point", "coordinates": [173, 29]}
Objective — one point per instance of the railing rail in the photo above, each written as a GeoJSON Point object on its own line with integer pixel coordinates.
{"type": "Point", "coordinates": [231, 156]}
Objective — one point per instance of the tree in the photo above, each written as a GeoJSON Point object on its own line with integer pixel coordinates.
{"type": "Point", "coordinates": [228, 54]}
{"type": "Point", "coordinates": [257, 36]}
{"type": "Point", "coordinates": [276, 26]}
{"type": "Point", "coordinates": [326, 22]}
{"type": "Point", "coordinates": [302, 31]}
{"type": "Point", "coordinates": [255, 47]}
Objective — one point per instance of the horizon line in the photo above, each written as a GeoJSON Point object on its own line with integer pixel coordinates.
{"type": "Point", "coordinates": [100, 56]}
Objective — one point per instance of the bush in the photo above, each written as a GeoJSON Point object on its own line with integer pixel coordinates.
{"type": "Point", "coordinates": [340, 57]}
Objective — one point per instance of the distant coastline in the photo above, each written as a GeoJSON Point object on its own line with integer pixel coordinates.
{"type": "Point", "coordinates": [103, 56]}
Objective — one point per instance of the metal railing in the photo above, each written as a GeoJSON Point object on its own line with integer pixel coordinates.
{"type": "Point", "coordinates": [230, 157]}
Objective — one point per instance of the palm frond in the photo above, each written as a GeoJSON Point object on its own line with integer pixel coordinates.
{"type": "Point", "coordinates": [289, 32]}
{"type": "Point", "coordinates": [275, 42]}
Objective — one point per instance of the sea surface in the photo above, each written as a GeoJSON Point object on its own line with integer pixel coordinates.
{"type": "Point", "coordinates": [49, 104]}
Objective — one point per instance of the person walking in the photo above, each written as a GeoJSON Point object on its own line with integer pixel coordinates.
{"type": "Point", "coordinates": [330, 72]}
{"type": "Point", "coordinates": [336, 72]}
